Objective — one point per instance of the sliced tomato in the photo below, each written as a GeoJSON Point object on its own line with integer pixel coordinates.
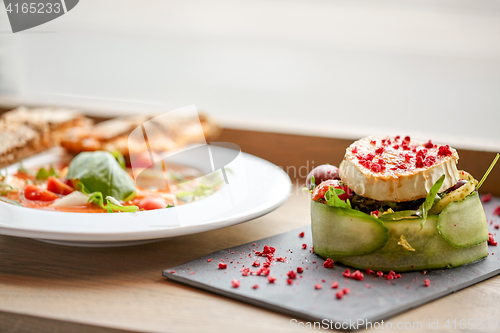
{"type": "Point", "coordinates": [150, 203]}
{"type": "Point", "coordinates": [57, 186]}
{"type": "Point", "coordinates": [320, 190]}
{"type": "Point", "coordinates": [32, 192]}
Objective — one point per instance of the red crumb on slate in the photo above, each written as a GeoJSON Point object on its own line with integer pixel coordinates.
{"type": "Point", "coordinates": [335, 285]}
{"type": "Point", "coordinates": [292, 275]}
{"type": "Point", "coordinates": [235, 283]}
{"type": "Point", "coordinates": [222, 266]}
{"type": "Point", "coordinates": [339, 294]}
{"type": "Point", "coordinates": [304, 246]}
{"type": "Point", "coordinates": [209, 260]}
{"type": "Point", "coordinates": [392, 275]}
{"type": "Point", "coordinates": [486, 197]}
{"type": "Point", "coordinates": [497, 226]}
{"type": "Point", "coordinates": [357, 275]}
{"type": "Point", "coordinates": [245, 271]}
{"type": "Point", "coordinates": [497, 211]}
{"type": "Point", "coordinates": [369, 271]}
{"type": "Point", "coordinates": [301, 234]}
{"type": "Point", "coordinates": [328, 263]}
{"type": "Point", "coordinates": [300, 270]}
{"type": "Point", "coordinates": [427, 282]}
{"type": "Point", "coordinates": [255, 286]}
{"type": "Point", "coordinates": [368, 286]}
{"type": "Point", "coordinates": [256, 263]}
{"type": "Point", "coordinates": [289, 281]}
{"type": "Point", "coordinates": [347, 273]}
{"type": "Point", "coordinates": [271, 279]}
{"type": "Point", "coordinates": [491, 241]}
{"type": "Point", "coordinates": [172, 272]}
{"type": "Point", "coordinates": [380, 273]}
{"type": "Point", "coordinates": [192, 273]}
{"type": "Point", "coordinates": [346, 291]}
{"type": "Point", "coordinates": [318, 286]}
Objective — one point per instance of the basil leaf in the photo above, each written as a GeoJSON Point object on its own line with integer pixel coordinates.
{"type": "Point", "coordinates": [430, 200]}
{"type": "Point", "coordinates": [332, 198]}
{"type": "Point", "coordinates": [100, 172]}
{"type": "Point", "coordinates": [114, 205]}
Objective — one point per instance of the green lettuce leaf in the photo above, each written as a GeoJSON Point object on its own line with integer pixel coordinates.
{"type": "Point", "coordinates": [332, 198]}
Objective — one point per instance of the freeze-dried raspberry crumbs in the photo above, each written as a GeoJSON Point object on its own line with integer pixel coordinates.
{"type": "Point", "coordinates": [222, 266]}
{"type": "Point", "coordinates": [235, 283]}
{"type": "Point", "coordinates": [328, 263]}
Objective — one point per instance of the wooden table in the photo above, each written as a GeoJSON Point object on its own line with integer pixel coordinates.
{"type": "Point", "coordinates": [50, 288]}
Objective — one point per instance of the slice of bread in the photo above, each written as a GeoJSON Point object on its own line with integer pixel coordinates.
{"type": "Point", "coordinates": [28, 131]}
{"type": "Point", "coordinates": [397, 169]}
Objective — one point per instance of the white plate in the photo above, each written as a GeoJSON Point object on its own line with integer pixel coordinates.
{"type": "Point", "coordinates": [256, 187]}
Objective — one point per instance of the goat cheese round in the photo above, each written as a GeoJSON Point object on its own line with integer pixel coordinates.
{"type": "Point", "coordinates": [397, 169]}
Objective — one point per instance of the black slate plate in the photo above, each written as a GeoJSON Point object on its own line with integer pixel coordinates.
{"type": "Point", "coordinates": [373, 299]}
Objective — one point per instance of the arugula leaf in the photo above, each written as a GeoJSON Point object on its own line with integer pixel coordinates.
{"type": "Point", "coordinates": [43, 174]}
{"type": "Point", "coordinates": [169, 206]}
{"type": "Point", "coordinates": [430, 200]}
{"type": "Point", "coordinates": [333, 200]}
{"type": "Point", "coordinates": [488, 171]}
{"type": "Point", "coordinates": [313, 183]}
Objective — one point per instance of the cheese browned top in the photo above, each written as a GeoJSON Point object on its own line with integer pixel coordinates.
{"type": "Point", "coordinates": [397, 169]}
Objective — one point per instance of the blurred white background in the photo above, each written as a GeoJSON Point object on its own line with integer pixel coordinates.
{"type": "Point", "coordinates": [428, 68]}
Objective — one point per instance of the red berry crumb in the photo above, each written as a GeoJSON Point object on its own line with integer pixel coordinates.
{"type": "Point", "coordinates": [222, 266]}
{"type": "Point", "coordinates": [300, 270]}
{"type": "Point", "coordinates": [255, 286]}
{"type": "Point", "coordinates": [346, 291]}
{"type": "Point", "coordinates": [427, 282]}
{"type": "Point", "coordinates": [497, 226]}
{"type": "Point", "coordinates": [347, 273]}
{"type": "Point", "coordinates": [301, 234]}
{"type": "Point", "coordinates": [486, 197]}
{"type": "Point", "coordinates": [429, 145]}
{"type": "Point", "coordinates": [235, 283]}
{"type": "Point", "coordinates": [339, 294]}
{"type": "Point", "coordinates": [318, 286]}
{"type": "Point", "coordinates": [369, 271]}
{"type": "Point", "coordinates": [289, 281]}
{"type": "Point", "coordinates": [172, 272]}
{"type": "Point", "coordinates": [380, 273]}
{"type": "Point", "coordinates": [491, 241]}
{"type": "Point", "coordinates": [357, 275]}
{"type": "Point", "coordinates": [256, 263]}
{"type": "Point", "coordinates": [335, 285]}
{"type": "Point", "coordinates": [497, 211]}
{"type": "Point", "coordinates": [271, 279]}
{"type": "Point", "coordinates": [304, 246]}
{"type": "Point", "coordinates": [292, 275]}
{"type": "Point", "coordinates": [209, 260]}
{"type": "Point", "coordinates": [328, 263]}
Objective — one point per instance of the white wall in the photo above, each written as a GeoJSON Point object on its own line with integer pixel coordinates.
{"type": "Point", "coordinates": [323, 67]}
